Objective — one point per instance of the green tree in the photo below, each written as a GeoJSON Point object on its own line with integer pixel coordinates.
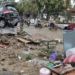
{"type": "Point", "coordinates": [68, 4]}
{"type": "Point", "coordinates": [26, 6]}
{"type": "Point", "coordinates": [52, 7]}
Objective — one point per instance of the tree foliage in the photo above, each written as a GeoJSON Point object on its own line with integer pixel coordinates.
{"type": "Point", "coordinates": [51, 7]}
{"type": "Point", "coordinates": [27, 6]}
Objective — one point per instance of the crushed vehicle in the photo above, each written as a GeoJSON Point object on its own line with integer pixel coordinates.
{"type": "Point", "coordinates": [71, 26]}
{"type": "Point", "coordinates": [9, 17]}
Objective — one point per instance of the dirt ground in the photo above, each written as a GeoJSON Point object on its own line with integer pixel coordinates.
{"type": "Point", "coordinates": [9, 51]}
{"type": "Point", "coordinates": [45, 34]}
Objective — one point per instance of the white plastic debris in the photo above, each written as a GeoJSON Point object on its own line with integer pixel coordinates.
{"type": "Point", "coordinates": [44, 71]}
{"type": "Point", "coordinates": [19, 57]}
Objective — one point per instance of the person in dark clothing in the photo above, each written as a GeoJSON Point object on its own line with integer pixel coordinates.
{"type": "Point", "coordinates": [51, 25]}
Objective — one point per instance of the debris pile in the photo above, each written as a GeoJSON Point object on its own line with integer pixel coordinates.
{"type": "Point", "coordinates": [26, 54]}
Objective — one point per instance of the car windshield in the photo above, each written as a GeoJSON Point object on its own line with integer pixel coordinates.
{"type": "Point", "coordinates": [11, 8]}
{"type": "Point", "coordinates": [1, 8]}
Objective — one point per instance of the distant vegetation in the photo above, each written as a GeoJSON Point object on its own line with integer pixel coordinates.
{"type": "Point", "coordinates": [51, 7]}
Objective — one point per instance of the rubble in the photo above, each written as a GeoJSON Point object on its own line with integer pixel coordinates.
{"type": "Point", "coordinates": [4, 69]}
{"type": "Point", "coordinates": [20, 53]}
{"type": "Point", "coordinates": [39, 62]}
{"type": "Point", "coordinates": [25, 55]}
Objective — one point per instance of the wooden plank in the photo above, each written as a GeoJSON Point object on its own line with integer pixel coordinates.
{"type": "Point", "coordinates": [23, 40]}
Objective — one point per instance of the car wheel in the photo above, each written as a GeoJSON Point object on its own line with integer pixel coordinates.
{"type": "Point", "coordinates": [65, 28]}
{"type": "Point", "coordinates": [2, 23]}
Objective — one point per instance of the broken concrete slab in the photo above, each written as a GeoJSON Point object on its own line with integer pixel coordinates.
{"type": "Point", "coordinates": [8, 30]}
